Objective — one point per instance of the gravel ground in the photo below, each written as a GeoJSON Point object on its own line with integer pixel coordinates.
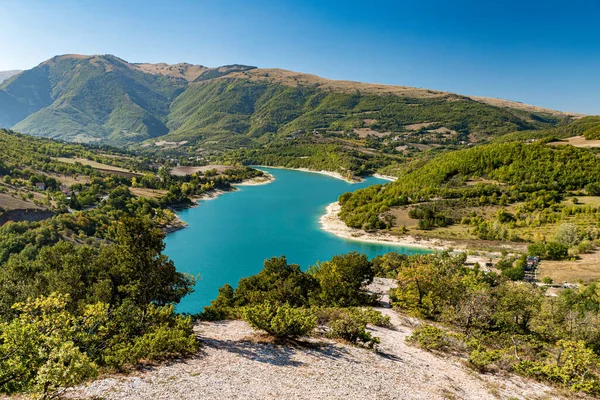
{"type": "Point", "coordinates": [235, 362]}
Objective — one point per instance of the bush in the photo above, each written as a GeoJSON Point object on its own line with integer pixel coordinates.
{"type": "Point", "coordinates": [429, 337]}
{"type": "Point", "coordinates": [549, 250]}
{"type": "Point", "coordinates": [482, 360]}
{"type": "Point", "coordinates": [281, 321]}
{"type": "Point", "coordinates": [575, 368]}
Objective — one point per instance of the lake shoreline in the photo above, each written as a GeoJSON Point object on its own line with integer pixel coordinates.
{"type": "Point", "coordinates": [331, 174]}
{"type": "Point", "coordinates": [332, 223]}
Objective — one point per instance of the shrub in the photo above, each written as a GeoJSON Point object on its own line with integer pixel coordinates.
{"type": "Point", "coordinates": [429, 337]}
{"type": "Point", "coordinates": [575, 367]}
{"type": "Point", "coordinates": [482, 360]}
{"type": "Point", "coordinates": [282, 321]}
{"type": "Point", "coordinates": [350, 324]}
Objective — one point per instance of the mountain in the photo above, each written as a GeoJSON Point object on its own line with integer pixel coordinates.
{"type": "Point", "coordinates": [4, 75]}
{"type": "Point", "coordinates": [106, 99]}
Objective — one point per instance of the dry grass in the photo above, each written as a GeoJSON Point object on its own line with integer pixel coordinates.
{"type": "Point", "coordinates": [8, 202]}
{"type": "Point", "coordinates": [525, 107]}
{"type": "Point", "coordinates": [91, 163]}
{"type": "Point", "coordinates": [416, 127]}
{"type": "Point", "coordinates": [364, 132]}
{"type": "Point", "coordinates": [69, 180]}
{"type": "Point", "coordinates": [290, 78]}
{"type": "Point", "coordinates": [143, 192]}
{"type": "Point", "coordinates": [586, 269]}
{"type": "Point", "coordinates": [577, 141]}
{"type": "Point", "coordinates": [182, 171]}
{"type": "Point", "coordinates": [185, 71]}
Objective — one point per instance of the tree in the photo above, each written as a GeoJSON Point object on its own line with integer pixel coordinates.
{"type": "Point", "coordinates": [342, 279]}
{"type": "Point", "coordinates": [517, 303]}
{"type": "Point", "coordinates": [567, 235]}
{"type": "Point", "coordinates": [278, 283]}
{"type": "Point", "coordinates": [138, 268]}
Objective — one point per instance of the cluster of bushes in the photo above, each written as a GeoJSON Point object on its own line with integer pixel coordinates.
{"type": "Point", "coordinates": [67, 310]}
{"type": "Point", "coordinates": [287, 302]}
{"type": "Point", "coordinates": [498, 324]}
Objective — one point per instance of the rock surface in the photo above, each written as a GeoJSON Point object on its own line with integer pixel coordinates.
{"type": "Point", "coordinates": [236, 362]}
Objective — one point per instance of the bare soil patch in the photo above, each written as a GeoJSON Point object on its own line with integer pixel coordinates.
{"type": "Point", "coordinates": [69, 180]}
{"type": "Point", "coordinates": [143, 192]}
{"type": "Point", "coordinates": [236, 362]}
{"type": "Point", "coordinates": [577, 141]}
{"type": "Point", "coordinates": [183, 170]}
{"type": "Point", "coordinates": [364, 132]}
{"type": "Point", "coordinates": [416, 127]}
{"type": "Point", "coordinates": [586, 269]}
{"type": "Point", "coordinates": [93, 164]}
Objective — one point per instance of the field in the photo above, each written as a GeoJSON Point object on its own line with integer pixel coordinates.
{"type": "Point", "coordinates": [586, 269]}
{"type": "Point", "coordinates": [182, 171]}
{"type": "Point", "coordinates": [577, 141]}
{"type": "Point", "coordinates": [69, 180]}
{"type": "Point", "coordinates": [8, 202]}
{"type": "Point", "coordinates": [143, 192]}
{"type": "Point", "coordinates": [96, 165]}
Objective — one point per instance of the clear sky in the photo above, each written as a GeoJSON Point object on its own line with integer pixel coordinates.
{"type": "Point", "coordinates": [539, 52]}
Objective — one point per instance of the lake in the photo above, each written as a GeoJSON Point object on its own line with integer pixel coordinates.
{"type": "Point", "coordinates": [230, 237]}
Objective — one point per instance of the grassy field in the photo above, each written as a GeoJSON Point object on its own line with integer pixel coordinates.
{"type": "Point", "coordinates": [94, 164]}
{"type": "Point", "coordinates": [586, 269]}
{"type": "Point", "coordinates": [152, 193]}
{"type": "Point", "coordinates": [182, 171]}
{"type": "Point", "coordinates": [91, 163]}
{"type": "Point", "coordinates": [9, 202]}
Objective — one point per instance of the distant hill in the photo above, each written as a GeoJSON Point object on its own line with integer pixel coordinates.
{"type": "Point", "coordinates": [4, 75]}
{"type": "Point", "coordinates": [109, 100]}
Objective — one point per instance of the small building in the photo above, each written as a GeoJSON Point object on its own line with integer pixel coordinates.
{"type": "Point", "coordinates": [40, 186]}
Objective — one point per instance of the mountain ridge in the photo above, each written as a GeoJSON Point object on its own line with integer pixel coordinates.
{"type": "Point", "coordinates": [105, 99]}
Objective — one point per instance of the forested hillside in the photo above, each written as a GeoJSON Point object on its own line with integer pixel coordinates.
{"type": "Point", "coordinates": [105, 99]}
{"type": "Point", "coordinates": [514, 190]}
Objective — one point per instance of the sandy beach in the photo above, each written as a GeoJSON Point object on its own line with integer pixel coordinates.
{"type": "Point", "coordinates": [330, 222]}
{"type": "Point", "coordinates": [332, 174]}
{"type": "Point", "coordinates": [386, 177]}
{"type": "Point", "coordinates": [259, 180]}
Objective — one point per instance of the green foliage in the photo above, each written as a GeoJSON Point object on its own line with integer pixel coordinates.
{"type": "Point", "coordinates": [282, 321]}
{"type": "Point", "coordinates": [429, 337]}
{"type": "Point", "coordinates": [350, 324]}
{"type": "Point", "coordinates": [574, 368]}
{"type": "Point", "coordinates": [534, 172]}
{"type": "Point", "coordinates": [39, 353]}
{"type": "Point", "coordinates": [549, 250]}
{"type": "Point", "coordinates": [342, 279]}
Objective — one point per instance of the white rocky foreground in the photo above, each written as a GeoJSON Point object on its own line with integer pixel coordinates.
{"type": "Point", "coordinates": [235, 362]}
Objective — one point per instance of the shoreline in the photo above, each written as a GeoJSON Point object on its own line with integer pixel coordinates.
{"type": "Point", "coordinates": [330, 222]}
{"type": "Point", "coordinates": [258, 181]}
{"type": "Point", "coordinates": [331, 174]}
{"type": "Point", "coordinates": [385, 177]}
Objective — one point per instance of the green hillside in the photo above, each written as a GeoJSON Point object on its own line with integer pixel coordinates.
{"type": "Point", "coordinates": [521, 189]}
{"type": "Point", "coordinates": [90, 99]}
{"type": "Point", "coordinates": [105, 99]}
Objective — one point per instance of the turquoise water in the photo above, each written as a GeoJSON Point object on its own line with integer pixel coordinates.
{"type": "Point", "coordinates": [229, 237]}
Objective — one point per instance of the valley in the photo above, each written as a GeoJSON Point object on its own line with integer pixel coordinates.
{"type": "Point", "coordinates": [141, 201]}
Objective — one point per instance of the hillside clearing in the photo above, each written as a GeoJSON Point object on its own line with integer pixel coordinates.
{"type": "Point", "coordinates": [577, 141]}
{"type": "Point", "coordinates": [586, 269]}
{"type": "Point", "coordinates": [236, 362]}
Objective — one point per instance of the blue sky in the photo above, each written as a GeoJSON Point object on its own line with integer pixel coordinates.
{"type": "Point", "coordinates": [540, 52]}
